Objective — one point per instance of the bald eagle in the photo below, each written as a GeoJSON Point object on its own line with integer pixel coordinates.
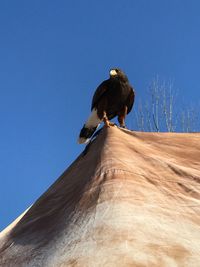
{"type": "Point", "coordinates": [113, 97]}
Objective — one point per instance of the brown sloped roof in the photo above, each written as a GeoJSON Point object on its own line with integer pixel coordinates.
{"type": "Point", "coordinates": [133, 199]}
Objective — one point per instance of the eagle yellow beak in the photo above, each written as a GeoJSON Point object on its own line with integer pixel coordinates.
{"type": "Point", "coordinates": [113, 73]}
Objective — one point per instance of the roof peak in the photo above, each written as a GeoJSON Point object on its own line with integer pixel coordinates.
{"type": "Point", "coordinates": [128, 186]}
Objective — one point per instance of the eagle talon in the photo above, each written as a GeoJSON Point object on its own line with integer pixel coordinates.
{"type": "Point", "coordinates": [108, 124]}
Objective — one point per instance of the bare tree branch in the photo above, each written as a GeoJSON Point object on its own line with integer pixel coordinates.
{"type": "Point", "coordinates": [160, 113]}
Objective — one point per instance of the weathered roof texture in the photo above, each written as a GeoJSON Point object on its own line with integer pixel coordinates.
{"type": "Point", "coordinates": [132, 200]}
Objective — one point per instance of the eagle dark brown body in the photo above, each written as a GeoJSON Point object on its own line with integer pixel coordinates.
{"type": "Point", "coordinates": [113, 97]}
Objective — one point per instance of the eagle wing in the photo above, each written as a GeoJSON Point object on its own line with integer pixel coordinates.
{"type": "Point", "coordinates": [130, 100]}
{"type": "Point", "coordinates": [100, 91]}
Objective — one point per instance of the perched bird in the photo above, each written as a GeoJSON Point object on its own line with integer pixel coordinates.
{"type": "Point", "coordinates": [113, 97]}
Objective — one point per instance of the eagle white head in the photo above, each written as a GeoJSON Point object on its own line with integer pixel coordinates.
{"type": "Point", "coordinates": [113, 72]}
{"type": "Point", "coordinates": [118, 73]}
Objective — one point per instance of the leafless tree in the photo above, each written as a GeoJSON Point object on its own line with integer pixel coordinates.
{"type": "Point", "coordinates": [159, 111]}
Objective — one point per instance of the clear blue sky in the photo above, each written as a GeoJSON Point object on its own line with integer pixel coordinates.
{"type": "Point", "coordinates": [53, 55]}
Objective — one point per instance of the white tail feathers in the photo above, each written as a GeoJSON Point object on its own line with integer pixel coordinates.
{"type": "Point", "coordinates": [89, 127]}
{"type": "Point", "coordinates": [93, 120]}
{"type": "Point", "coordinates": [83, 140]}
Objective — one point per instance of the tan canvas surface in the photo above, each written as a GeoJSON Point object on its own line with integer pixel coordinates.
{"type": "Point", "coordinates": [133, 199]}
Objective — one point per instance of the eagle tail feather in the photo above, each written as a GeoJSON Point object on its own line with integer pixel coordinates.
{"type": "Point", "coordinates": [89, 127]}
{"type": "Point", "coordinates": [85, 134]}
